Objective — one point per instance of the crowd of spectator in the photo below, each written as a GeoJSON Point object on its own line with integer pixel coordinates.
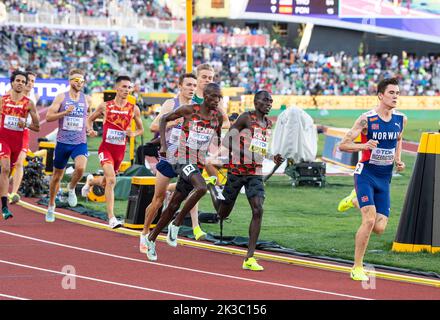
{"type": "Point", "coordinates": [91, 8]}
{"type": "Point", "coordinates": [206, 28]}
{"type": "Point", "coordinates": [157, 65]}
{"type": "Point", "coordinates": [19, 6]}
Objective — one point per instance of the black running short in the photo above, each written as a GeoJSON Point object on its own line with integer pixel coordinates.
{"type": "Point", "coordinates": [185, 172]}
{"type": "Point", "coordinates": [253, 185]}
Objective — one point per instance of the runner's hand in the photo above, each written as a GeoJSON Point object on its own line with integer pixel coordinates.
{"type": "Point", "coordinates": [69, 109]}
{"type": "Point", "coordinates": [400, 166]}
{"type": "Point", "coordinates": [371, 144]}
{"type": "Point", "coordinates": [21, 124]}
{"type": "Point", "coordinates": [278, 159]}
{"type": "Point", "coordinates": [92, 133]}
{"type": "Point", "coordinates": [130, 133]}
{"type": "Point", "coordinates": [163, 152]}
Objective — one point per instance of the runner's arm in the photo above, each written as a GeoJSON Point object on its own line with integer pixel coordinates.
{"type": "Point", "coordinates": [138, 121]}
{"type": "Point", "coordinates": [53, 113]}
{"type": "Point", "coordinates": [400, 165]}
{"type": "Point", "coordinates": [89, 104]}
{"type": "Point", "coordinates": [165, 108]}
{"type": "Point", "coordinates": [226, 123]}
{"type": "Point", "coordinates": [348, 145]}
{"type": "Point", "coordinates": [181, 112]}
{"type": "Point", "coordinates": [234, 130]}
{"type": "Point", "coordinates": [99, 112]}
{"type": "Point", "coordinates": [35, 124]}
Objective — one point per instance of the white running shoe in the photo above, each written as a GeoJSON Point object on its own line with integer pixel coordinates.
{"type": "Point", "coordinates": [50, 214]}
{"type": "Point", "coordinates": [173, 232]}
{"type": "Point", "coordinates": [142, 246]}
{"type": "Point", "coordinates": [114, 223]}
{"type": "Point", "coordinates": [86, 189]}
{"type": "Point", "coordinates": [151, 250]}
{"type": "Point", "coordinates": [71, 199]}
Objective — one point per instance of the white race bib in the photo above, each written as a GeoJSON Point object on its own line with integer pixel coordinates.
{"type": "Point", "coordinates": [258, 146]}
{"type": "Point", "coordinates": [73, 124]}
{"type": "Point", "coordinates": [382, 157]}
{"type": "Point", "coordinates": [359, 168]}
{"type": "Point", "coordinates": [174, 136]}
{"type": "Point", "coordinates": [198, 141]}
{"type": "Point", "coordinates": [115, 137]}
{"type": "Point", "coordinates": [11, 123]}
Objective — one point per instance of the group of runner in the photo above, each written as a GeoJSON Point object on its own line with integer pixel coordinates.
{"type": "Point", "coordinates": [190, 131]}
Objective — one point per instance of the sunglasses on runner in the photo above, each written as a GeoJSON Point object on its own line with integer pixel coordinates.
{"type": "Point", "coordinates": [78, 80]}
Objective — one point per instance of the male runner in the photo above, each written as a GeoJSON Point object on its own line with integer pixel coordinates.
{"type": "Point", "coordinates": [205, 74]}
{"type": "Point", "coordinates": [70, 109]}
{"type": "Point", "coordinates": [248, 141]}
{"type": "Point", "coordinates": [201, 123]}
{"type": "Point", "coordinates": [14, 108]}
{"type": "Point", "coordinates": [14, 197]}
{"type": "Point", "coordinates": [118, 114]}
{"type": "Point", "coordinates": [381, 131]}
{"type": "Point", "coordinates": [187, 85]}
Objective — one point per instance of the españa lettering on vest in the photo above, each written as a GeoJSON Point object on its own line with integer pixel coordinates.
{"type": "Point", "coordinates": [119, 112]}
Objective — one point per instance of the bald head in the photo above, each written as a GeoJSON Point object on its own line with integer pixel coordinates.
{"type": "Point", "coordinates": [263, 101]}
{"type": "Point", "coordinates": [212, 95]}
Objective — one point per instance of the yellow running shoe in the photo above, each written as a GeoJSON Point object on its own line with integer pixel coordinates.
{"type": "Point", "coordinates": [199, 234]}
{"type": "Point", "coordinates": [212, 180]}
{"type": "Point", "coordinates": [358, 274]}
{"type": "Point", "coordinates": [347, 202]}
{"type": "Point", "coordinates": [251, 264]}
{"type": "Point", "coordinates": [13, 197]}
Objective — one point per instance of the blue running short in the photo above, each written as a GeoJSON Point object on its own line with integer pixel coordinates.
{"type": "Point", "coordinates": [65, 151]}
{"type": "Point", "coordinates": [373, 190]}
{"type": "Point", "coordinates": [165, 168]}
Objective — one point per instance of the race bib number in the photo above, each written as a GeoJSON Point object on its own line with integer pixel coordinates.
{"type": "Point", "coordinates": [115, 137]}
{"type": "Point", "coordinates": [382, 157]}
{"type": "Point", "coordinates": [187, 170]}
{"type": "Point", "coordinates": [11, 123]}
{"type": "Point", "coordinates": [258, 146]}
{"type": "Point", "coordinates": [175, 136]}
{"type": "Point", "coordinates": [198, 140]}
{"type": "Point", "coordinates": [359, 168]}
{"type": "Point", "coordinates": [73, 124]}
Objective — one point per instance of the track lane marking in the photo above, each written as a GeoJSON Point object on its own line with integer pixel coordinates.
{"type": "Point", "coordinates": [12, 297]}
{"type": "Point", "coordinates": [101, 280]}
{"type": "Point", "coordinates": [186, 269]}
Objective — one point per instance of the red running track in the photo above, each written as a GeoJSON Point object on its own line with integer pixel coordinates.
{"type": "Point", "coordinates": [108, 265]}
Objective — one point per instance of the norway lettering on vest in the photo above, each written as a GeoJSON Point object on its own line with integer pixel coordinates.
{"type": "Point", "coordinates": [380, 160]}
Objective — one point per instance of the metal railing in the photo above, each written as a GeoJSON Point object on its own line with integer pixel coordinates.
{"type": "Point", "coordinates": [78, 21]}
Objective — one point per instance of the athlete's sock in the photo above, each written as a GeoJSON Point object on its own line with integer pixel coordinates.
{"type": "Point", "coordinates": [4, 202]}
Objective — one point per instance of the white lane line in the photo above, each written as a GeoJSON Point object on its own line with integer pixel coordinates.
{"type": "Point", "coordinates": [12, 297]}
{"type": "Point", "coordinates": [100, 280]}
{"type": "Point", "coordinates": [187, 269]}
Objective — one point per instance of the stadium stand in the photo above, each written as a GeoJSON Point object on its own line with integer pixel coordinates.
{"type": "Point", "coordinates": [157, 64]}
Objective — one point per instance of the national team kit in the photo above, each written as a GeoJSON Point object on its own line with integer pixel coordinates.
{"type": "Point", "coordinates": [373, 173]}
